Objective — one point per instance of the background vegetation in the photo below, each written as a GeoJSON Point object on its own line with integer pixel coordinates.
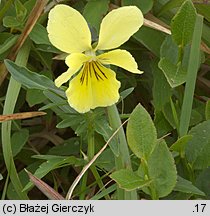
{"type": "Point", "coordinates": [167, 108]}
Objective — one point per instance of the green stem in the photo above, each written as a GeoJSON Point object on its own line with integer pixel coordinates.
{"type": "Point", "coordinates": [91, 153]}
{"type": "Point", "coordinates": [123, 160]}
{"type": "Point", "coordinates": [9, 105]}
{"type": "Point", "coordinates": [151, 186]}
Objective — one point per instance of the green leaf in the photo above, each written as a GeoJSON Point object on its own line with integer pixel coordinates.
{"type": "Point", "coordinates": [141, 132]}
{"type": "Point", "coordinates": [162, 169]}
{"type": "Point", "coordinates": [195, 118]}
{"type": "Point", "coordinates": [180, 144]}
{"type": "Point", "coordinates": [39, 35]}
{"type": "Point", "coordinates": [175, 74]}
{"type": "Point", "coordinates": [8, 43]}
{"type": "Point", "coordinates": [170, 5]}
{"type": "Point", "coordinates": [94, 11]}
{"type": "Point", "coordinates": [203, 183]}
{"type": "Point", "coordinates": [161, 89]}
{"type": "Point", "coordinates": [186, 186]}
{"type": "Point", "coordinates": [106, 160]}
{"type": "Point", "coordinates": [59, 100]}
{"type": "Point", "coordinates": [71, 121]}
{"type": "Point", "coordinates": [18, 140]}
{"type": "Point", "coordinates": [34, 96]}
{"type": "Point", "coordinates": [102, 127]}
{"type": "Point", "coordinates": [129, 180]}
{"type": "Point", "coordinates": [198, 148]}
{"type": "Point", "coordinates": [182, 25]}
{"type": "Point", "coordinates": [204, 9]}
{"type": "Point", "coordinates": [53, 162]}
{"type": "Point", "coordinates": [70, 146]}
{"type": "Point", "coordinates": [104, 192]}
{"type": "Point", "coordinates": [29, 4]}
{"type": "Point", "coordinates": [21, 11]}
{"type": "Point", "coordinates": [150, 38]}
{"type": "Point", "coordinates": [207, 110]}
{"type": "Point", "coordinates": [144, 5]}
{"type": "Point", "coordinates": [162, 125]}
{"type": "Point", "coordinates": [125, 93]}
{"type": "Point", "coordinates": [206, 34]}
{"type": "Point", "coordinates": [11, 22]}
{"type": "Point", "coordinates": [11, 193]}
{"type": "Point", "coordinates": [168, 114]}
{"type": "Point", "coordinates": [169, 50]}
{"type": "Point", "coordinates": [48, 48]}
{"type": "Point", "coordinates": [30, 79]}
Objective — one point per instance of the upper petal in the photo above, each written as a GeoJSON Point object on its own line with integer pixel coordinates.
{"type": "Point", "coordinates": [68, 30]}
{"type": "Point", "coordinates": [118, 26]}
{"type": "Point", "coordinates": [75, 62]}
{"type": "Point", "coordinates": [121, 58]}
{"type": "Point", "coordinates": [95, 86]}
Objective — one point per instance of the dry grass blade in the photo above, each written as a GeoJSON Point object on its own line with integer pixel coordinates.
{"type": "Point", "coordinates": [33, 17]}
{"type": "Point", "coordinates": [205, 48]}
{"type": "Point", "coordinates": [44, 188]}
{"type": "Point", "coordinates": [23, 115]}
{"type": "Point", "coordinates": [76, 181]}
{"type": "Point", "coordinates": [156, 26]}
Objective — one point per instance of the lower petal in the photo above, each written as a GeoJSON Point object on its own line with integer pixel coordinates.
{"type": "Point", "coordinates": [95, 86]}
{"type": "Point", "coordinates": [121, 58]}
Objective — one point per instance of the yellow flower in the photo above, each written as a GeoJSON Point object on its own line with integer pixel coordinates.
{"type": "Point", "coordinates": [94, 85]}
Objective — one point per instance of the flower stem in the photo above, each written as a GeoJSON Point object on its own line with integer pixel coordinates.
{"type": "Point", "coordinates": [123, 160]}
{"type": "Point", "coordinates": [152, 190]}
{"type": "Point", "coordinates": [90, 154]}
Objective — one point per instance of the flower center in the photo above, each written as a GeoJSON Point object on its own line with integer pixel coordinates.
{"type": "Point", "coordinates": [92, 54]}
{"type": "Point", "coordinates": [92, 70]}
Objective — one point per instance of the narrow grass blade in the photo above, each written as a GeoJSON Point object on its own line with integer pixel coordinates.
{"type": "Point", "coordinates": [9, 106]}
{"type": "Point", "coordinates": [191, 77]}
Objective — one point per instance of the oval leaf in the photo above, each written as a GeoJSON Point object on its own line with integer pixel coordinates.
{"type": "Point", "coordinates": [18, 140]}
{"type": "Point", "coordinates": [129, 180]}
{"type": "Point", "coordinates": [182, 25]}
{"type": "Point", "coordinates": [141, 132]}
{"type": "Point", "coordinates": [162, 170]}
{"type": "Point", "coordinates": [198, 148]}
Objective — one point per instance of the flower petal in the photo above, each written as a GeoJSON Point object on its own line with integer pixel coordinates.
{"type": "Point", "coordinates": [121, 58]}
{"type": "Point", "coordinates": [95, 86]}
{"type": "Point", "coordinates": [75, 62]}
{"type": "Point", "coordinates": [68, 30]}
{"type": "Point", "coordinates": [64, 77]}
{"type": "Point", "coordinates": [118, 26]}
